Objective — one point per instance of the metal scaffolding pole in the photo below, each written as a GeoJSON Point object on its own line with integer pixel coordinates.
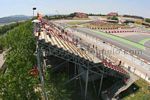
{"type": "Point", "coordinates": [40, 71]}
{"type": "Point", "coordinates": [75, 77]}
{"type": "Point", "coordinates": [68, 69]}
{"type": "Point", "coordinates": [80, 82]}
{"type": "Point", "coordinates": [60, 65]}
{"type": "Point", "coordinates": [75, 72]}
{"type": "Point", "coordinates": [100, 85]}
{"type": "Point", "coordinates": [86, 83]}
{"type": "Point", "coordinates": [94, 86]}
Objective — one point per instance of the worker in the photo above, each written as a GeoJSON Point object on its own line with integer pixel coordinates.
{"type": "Point", "coordinates": [119, 63]}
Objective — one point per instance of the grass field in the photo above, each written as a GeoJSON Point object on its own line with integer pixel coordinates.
{"type": "Point", "coordinates": [75, 18]}
{"type": "Point", "coordinates": [143, 93]}
{"type": "Point", "coordinates": [74, 22]}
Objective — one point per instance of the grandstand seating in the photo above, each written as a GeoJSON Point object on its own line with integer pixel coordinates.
{"type": "Point", "coordinates": [55, 37]}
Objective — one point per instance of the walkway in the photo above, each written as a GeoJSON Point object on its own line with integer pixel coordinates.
{"type": "Point", "coordinates": [2, 60]}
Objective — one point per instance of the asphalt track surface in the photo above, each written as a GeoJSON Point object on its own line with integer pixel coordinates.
{"type": "Point", "coordinates": [145, 41]}
{"type": "Point", "coordinates": [140, 38]}
{"type": "Point", "coordinates": [119, 42]}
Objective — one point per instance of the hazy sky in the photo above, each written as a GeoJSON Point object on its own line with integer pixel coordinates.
{"type": "Point", "coordinates": [17, 7]}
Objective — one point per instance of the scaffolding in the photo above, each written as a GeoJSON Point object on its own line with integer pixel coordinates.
{"type": "Point", "coordinates": [51, 43]}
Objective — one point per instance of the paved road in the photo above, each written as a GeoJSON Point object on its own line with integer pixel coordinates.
{"type": "Point", "coordinates": [145, 52]}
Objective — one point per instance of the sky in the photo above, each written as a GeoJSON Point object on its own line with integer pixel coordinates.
{"type": "Point", "coordinates": [24, 7]}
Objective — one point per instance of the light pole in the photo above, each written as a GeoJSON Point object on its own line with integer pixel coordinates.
{"type": "Point", "coordinates": [33, 10]}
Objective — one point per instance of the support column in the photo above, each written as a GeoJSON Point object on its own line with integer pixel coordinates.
{"type": "Point", "coordinates": [86, 83]}
{"type": "Point", "coordinates": [80, 82]}
{"type": "Point", "coordinates": [75, 73]}
{"type": "Point", "coordinates": [100, 85]}
{"type": "Point", "coordinates": [40, 71]}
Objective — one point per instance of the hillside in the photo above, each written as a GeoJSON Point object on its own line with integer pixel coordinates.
{"type": "Point", "coordinates": [15, 18]}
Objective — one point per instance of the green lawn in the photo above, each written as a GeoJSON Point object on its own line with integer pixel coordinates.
{"type": "Point", "coordinates": [75, 18]}
{"type": "Point", "coordinates": [142, 94]}
{"type": "Point", "coordinates": [73, 23]}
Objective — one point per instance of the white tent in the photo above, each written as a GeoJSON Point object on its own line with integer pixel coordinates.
{"type": "Point", "coordinates": [36, 21]}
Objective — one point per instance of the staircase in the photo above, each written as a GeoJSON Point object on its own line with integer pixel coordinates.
{"type": "Point", "coordinates": [118, 87]}
{"type": "Point", "coordinates": [129, 82]}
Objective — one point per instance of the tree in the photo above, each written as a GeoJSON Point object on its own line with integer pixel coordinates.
{"type": "Point", "coordinates": [16, 83]}
{"type": "Point", "coordinates": [114, 18]}
{"type": "Point", "coordinates": [147, 20]}
{"type": "Point", "coordinates": [56, 90]}
{"type": "Point", "coordinates": [5, 28]}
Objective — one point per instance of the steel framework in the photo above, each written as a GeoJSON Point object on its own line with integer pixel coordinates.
{"type": "Point", "coordinates": [80, 63]}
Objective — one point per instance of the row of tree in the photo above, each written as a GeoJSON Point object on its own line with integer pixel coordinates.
{"type": "Point", "coordinates": [56, 17]}
{"type": "Point", "coordinates": [113, 18]}
{"type": "Point", "coordinates": [5, 28]}
{"type": "Point", "coordinates": [96, 14]}
{"type": "Point", "coordinates": [69, 16]}
{"type": "Point", "coordinates": [147, 20]}
{"type": "Point", "coordinates": [17, 83]}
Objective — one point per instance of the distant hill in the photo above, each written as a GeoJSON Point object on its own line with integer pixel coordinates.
{"type": "Point", "coordinates": [15, 18]}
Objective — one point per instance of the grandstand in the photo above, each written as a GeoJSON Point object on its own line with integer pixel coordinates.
{"type": "Point", "coordinates": [53, 41]}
